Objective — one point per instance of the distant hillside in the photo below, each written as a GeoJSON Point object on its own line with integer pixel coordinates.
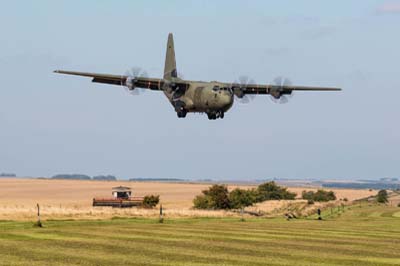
{"type": "Point", "coordinates": [364, 185]}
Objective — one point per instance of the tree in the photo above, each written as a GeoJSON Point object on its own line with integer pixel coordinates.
{"type": "Point", "coordinates": [240, 198]}
{"type": "Point", "coordinates": [150, 201]}
{"type": "Point", "coordinates": [271, 191]}
{"type": "Point", "coordinates": [202, 202]}
{"type": "Point", "coordinates": [216, 197]}
{"type": "Point", "coordinates": [382, 196]}
{"type": "Point", "coordinates": [320, 195]}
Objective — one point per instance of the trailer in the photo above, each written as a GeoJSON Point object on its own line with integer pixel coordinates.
{"type": "Point", "coordinates": [122, 198]}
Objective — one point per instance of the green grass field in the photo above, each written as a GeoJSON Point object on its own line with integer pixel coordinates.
{"type": "Point", "coordinates": [361, 236]}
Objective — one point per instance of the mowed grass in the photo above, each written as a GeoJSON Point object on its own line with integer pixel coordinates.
{"type": "Point", "coordinates": [369, 235]}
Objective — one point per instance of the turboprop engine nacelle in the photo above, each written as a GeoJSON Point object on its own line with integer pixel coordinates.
{"type": "Point", "coordinates": [277, 94]}
{"type": "Point", "coordinates": [129, 83]}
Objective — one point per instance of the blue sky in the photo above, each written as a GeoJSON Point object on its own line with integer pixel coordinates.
{"type": "Point", "coordinates": [54, 124]}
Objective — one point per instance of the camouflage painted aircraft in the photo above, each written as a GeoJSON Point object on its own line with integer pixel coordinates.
{"type": "Point", "coordinates": [213, 98]}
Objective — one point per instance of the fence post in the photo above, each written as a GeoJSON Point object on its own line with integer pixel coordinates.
{"type": "Point", "coordinates": [161, 218]}
{"type": "Point", "coordinates": [39, 223]}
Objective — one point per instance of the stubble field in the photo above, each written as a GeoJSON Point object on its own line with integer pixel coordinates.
{"type": "Point", "coordinates": [63, 199]}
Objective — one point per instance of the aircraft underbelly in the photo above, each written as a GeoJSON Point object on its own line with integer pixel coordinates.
{"type": "Point", "coordinates": [206, 102]}
{"type": "Point", "coordinates": [200, 99]}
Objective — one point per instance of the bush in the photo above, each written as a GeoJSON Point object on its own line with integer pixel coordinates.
{"type": "Point", "coordinates": [240, 198]}
{"type": "Point", "coordinates": [320, 195]}
{"type": "Point", "coordinates": [202, 202]}
{"type": "Point", "coordinates": [382, 196]}
{"type": "Point", "coordinates": [150, 201]}
{"type": "Point", "coordinates": [216, 197]}
{"type": "Point", "coordinates": [271, 191]}
{"type": "Point", "coordinates": [398, 205]}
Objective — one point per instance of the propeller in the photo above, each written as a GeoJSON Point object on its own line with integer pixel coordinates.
{"type": "Point", "coordinates": [132, 74]}
{"type": "Point", "coordinates": [238, 91]}
{"type": "Point", "coordinates": [278, 95]}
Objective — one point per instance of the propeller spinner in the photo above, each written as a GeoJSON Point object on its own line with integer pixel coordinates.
{"type": "Point", "coordinates": [278, 93]}
{"type": "Point", "coordinates": [129, 84]}
{"type": "Point", "coordinates": [238, 90]}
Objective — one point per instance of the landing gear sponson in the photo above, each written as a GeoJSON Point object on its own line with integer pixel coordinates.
{"type": "Point", "coordinates": [215, 115]}
{"type": "Point", "coordinates": [211, 115]}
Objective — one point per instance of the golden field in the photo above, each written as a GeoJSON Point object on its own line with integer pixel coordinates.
{"type": "Point", "coordinates": [70, 199]}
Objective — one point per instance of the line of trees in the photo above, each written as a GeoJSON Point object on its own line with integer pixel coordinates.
{"type": "Point", "coordinates": [141, 179]}
{"type": "Point", "coordinates": [7, 175]}
{"type": "Point", "coordinates": [218, 197]}
{"type": "Point", "coordinates": [84, 177]}
{"type": "Point", "coordinates": [104, 178]}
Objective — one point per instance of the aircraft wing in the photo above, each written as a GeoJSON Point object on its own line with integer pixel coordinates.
{"type": "Point", "coordinates": [276, 89]}
{"type": "Point", "coordinates": [121, 80]}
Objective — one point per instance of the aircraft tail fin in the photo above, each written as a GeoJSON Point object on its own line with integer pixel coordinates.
{"type": "Point", "coordinates": [170, 63]}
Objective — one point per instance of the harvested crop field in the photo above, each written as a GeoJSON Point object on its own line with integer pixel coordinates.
{"type": "Point", "coordinates": [62, 199]}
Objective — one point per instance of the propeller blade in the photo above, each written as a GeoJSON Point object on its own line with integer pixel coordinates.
{"type": "Point", "coordinates": [279, 97]}
{"type": "Point", "coordinates": [283, 100]}
{"type": "Point", "coordinates": [243, 82]}
{"type": "Point", "coordinates": [278, 81]}
{"type": "Point", "coordinates": [133, 73]}
{"type": "Point", "coordinates": [287, 82]}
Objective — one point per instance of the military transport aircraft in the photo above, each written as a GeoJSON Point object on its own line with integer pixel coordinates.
{"type": "Point", "coordinates": [186, 96]}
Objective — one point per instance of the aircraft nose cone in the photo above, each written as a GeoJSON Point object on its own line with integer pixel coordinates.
{"type": "Point", "coordinates": [226, 100]}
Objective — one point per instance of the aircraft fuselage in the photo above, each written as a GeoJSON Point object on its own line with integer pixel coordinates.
{"type": "Point", "coordinates": [202, 97]}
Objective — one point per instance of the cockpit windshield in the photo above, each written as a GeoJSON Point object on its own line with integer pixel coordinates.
{"type": "Point", "coordinates": [218, 88]}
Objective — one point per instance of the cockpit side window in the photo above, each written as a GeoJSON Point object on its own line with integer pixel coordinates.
{"type": "Point", "coordinates": [216, 88]}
